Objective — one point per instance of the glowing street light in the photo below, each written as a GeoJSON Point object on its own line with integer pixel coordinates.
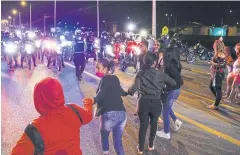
{"type": "Point", "coordinates": [9, 17]}
{"type": "Point", "coordinates": [237, 23]}
{"type": "Point", "coordinates": [166, 14]}
{"type": "Point", "coordinates": [230, 11]}
{"type": "Point", "coordinates": [14, 11]}
{"type": "Point", "coordinates": [131, 27]}
{"type": "Point", "coordinates": [23, 3]}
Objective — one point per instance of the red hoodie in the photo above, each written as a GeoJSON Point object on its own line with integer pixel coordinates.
{"type": "Point", "coordinates": [58, 125]}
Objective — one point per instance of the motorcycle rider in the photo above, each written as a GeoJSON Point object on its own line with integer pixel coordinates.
{"type": "Point", "coordinates": [89, 46]}
{"type": "Point", "coordinates": [150, 43]}
{"type": "Point", "coordinates": [104, 42]}
{"type": "Point", "coordinates": [79, 55]}
{"type": "Point", "coordinates": [117, 44]}
{"type": "Point", "coordinates": [27, 40]}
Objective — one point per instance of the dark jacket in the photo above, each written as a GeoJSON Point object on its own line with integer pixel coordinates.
{"type": "Point", "coordinates": [109, 94]}
{"type": "Point", "coordinates": [173, 67]}
{"type": "Point", "coordinates": [150, 82]}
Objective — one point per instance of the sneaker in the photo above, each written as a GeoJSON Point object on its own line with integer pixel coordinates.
{"type": "Point", "coordinates": [163, 134]}
{"type": "Point", "coordinates": [177, 125]}
{"type": "Point", "coordinates": [212, 107]}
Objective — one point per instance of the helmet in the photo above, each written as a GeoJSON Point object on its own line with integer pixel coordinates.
{"type": "Point", "coordinates": [78, 32]}
{"type": "Point", "coordinates": [117, 34]}
{"type": "Point", "coordinates": [104, 34]}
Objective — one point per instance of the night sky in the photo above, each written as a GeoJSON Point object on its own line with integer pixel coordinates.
{"type": "Point", "coordinates": [140, 12]}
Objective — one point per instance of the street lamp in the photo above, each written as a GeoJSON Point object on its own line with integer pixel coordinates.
{"type": "Point", "coordinates": [23, 3]}
{"type": "Point", "coordinates": [237, 23]}
{"type": "Point", "coordinates": [14, 11]}
{"type": "Point", "coordinates": [131, 27]}
{"type": "Point", "coordinates": [230, 11]}
{"type": "Point", "coordinates": [9, 17]}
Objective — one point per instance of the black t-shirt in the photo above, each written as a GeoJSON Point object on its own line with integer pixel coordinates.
{"type": "Point", "coordinates": [109, 94]}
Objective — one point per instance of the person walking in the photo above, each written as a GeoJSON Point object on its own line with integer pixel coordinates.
{"type": "Point", "coordinates": [110, 108]}
{"type": "Point", "coordinates": [149, 82]}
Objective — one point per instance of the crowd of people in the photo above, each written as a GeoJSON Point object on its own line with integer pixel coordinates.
{"type": "Point", "coordinates": [158, 83]}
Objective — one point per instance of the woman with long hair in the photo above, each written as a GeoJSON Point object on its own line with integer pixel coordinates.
{"type": "Point", "coordinates": [218, 64]}
{"type": "Point", "coordinates": [234, 77]}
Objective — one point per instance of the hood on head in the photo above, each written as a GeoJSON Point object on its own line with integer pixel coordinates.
{"type": "Point", "coordinates": [48, 95]}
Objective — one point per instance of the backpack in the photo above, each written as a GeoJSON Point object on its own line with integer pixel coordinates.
{"type": "Point", "coordinates": [35, 136]}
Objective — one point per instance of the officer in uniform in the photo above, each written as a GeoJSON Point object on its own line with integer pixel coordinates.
{"type": "Point", "coordinates": [79, 54]}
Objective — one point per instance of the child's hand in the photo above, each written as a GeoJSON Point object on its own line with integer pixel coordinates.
{"type": "Point", "coordinates": [88, 101]}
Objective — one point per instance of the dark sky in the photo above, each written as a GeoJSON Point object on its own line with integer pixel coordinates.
{"type": "Point", "coordinates": [204, 12]}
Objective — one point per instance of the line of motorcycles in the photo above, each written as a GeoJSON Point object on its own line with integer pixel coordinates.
{"type": "Point", "coordinates": [192, 53]}
{"type": "Point", "coordinates": [30, 50]}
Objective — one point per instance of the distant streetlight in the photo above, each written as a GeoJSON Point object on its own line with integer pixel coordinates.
{"type": "Point", "coordinates": [166, 14]}
{"type": "Point", "coordinates": [237, 23]}
{"type": "Point", "coordinates": [230, 11]}
{"type": "Point", "coordinates": [23, 3]}
{"type": "Point", "coordinates": [9, 17]}
{"type": "Point", "coordinates": [128, 17]}
{"type": "Point", "coordinates": [131, 27]}
{"type": "Point", "coordinates": [14, 11]}
{"type": "Point", "coordinates": [104, 21]}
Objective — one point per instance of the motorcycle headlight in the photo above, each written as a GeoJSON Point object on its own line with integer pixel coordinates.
{"type": "Point", "coordinates": [137, 50]}
{"type": "Point", "coordinates": [62, 37]}
{"type": "Point", "coordinates": [64, 43]}
{"type": "Point", "coordinates": [31, 35]}
{"type": "Point", "coordinates": [69, 43]}
{"type": "Point", "coordinates": [4, 44]}
{"type": "Point", "coordinates": [11, 48]}
{"type": "Point", "coordinates": [96, 41]}
{"type": "Point", "coordinates": [29, 48]}
{"type": "Point", "coordinates": [59, 50]}
{"type": "Point", "coordinates": [38, 43]}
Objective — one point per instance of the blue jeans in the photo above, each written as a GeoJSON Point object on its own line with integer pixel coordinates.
{"type": "Point", "coordinates": [167, 109]}
{"type": "Point", "coordinates": [114, 121]}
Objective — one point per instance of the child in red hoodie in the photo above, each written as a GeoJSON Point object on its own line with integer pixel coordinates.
{"type": "Point", "coordinates": [57, 130]}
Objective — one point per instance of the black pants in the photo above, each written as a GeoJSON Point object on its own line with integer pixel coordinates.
{"type": "Point", "coordinates": [148, 109]}
{"type": "Point", "coordinates": [79, 62]}
{"type": "Point", "coordinates": [217, 92]}
{"type": "Point", "coordinates": [23, 55]}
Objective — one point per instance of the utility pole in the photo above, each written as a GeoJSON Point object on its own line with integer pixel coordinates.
{"type": "Point", "coordinates": [30, 17]}
{"type": "Point", "coordinates": [44, 22]}
{"type": "Point", "coordinates": [98, 19]}
{"type": "Point", "coordinates": [19, 16]}
{"type": "Point", "coordinates": [55, 13]}
{"type": "Point", "coordinates": [154, 18]}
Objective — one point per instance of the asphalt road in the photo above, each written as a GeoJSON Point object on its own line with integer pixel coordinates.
{"type": "Point", "coordinates": [204, 132]}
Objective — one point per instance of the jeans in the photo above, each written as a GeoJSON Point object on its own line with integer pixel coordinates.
{"type": "Point", "coordinates": [167, 109]}
{"type": "Point", "coordinates": [114, 121]}
{"type": "Point", "coordinates": [148, 108]}
{"type": "Point", "coordinates": [217, 92]}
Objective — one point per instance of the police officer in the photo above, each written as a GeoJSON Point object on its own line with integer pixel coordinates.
{"type": "Point", "coordinates": [79, 55]}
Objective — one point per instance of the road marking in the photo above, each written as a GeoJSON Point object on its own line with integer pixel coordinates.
{"type": "Point", "coordinates": [197, 71]}
{"type": "Point", "coordinates": [202, 97]}
{"type": "Point", "coordinates": [210, 130]}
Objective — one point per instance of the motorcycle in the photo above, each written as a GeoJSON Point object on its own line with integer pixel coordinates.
{"type": "Point", "coordinates": [131, 59]}
{"type": "Point", "coordinates": [67, 50]}
{"type": "Point", "coordinates": [92, 49]}
{"type": "Point", "coordinates": [29, 49]}
{"type": "Point", "coordinates": [194, 52]}
{"type": "Point", "coordinates": [38, 48]}
{"type": "Point", "coordinates": [108, 52]}
{"type": "Point", "coordinates": [11, 49]}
